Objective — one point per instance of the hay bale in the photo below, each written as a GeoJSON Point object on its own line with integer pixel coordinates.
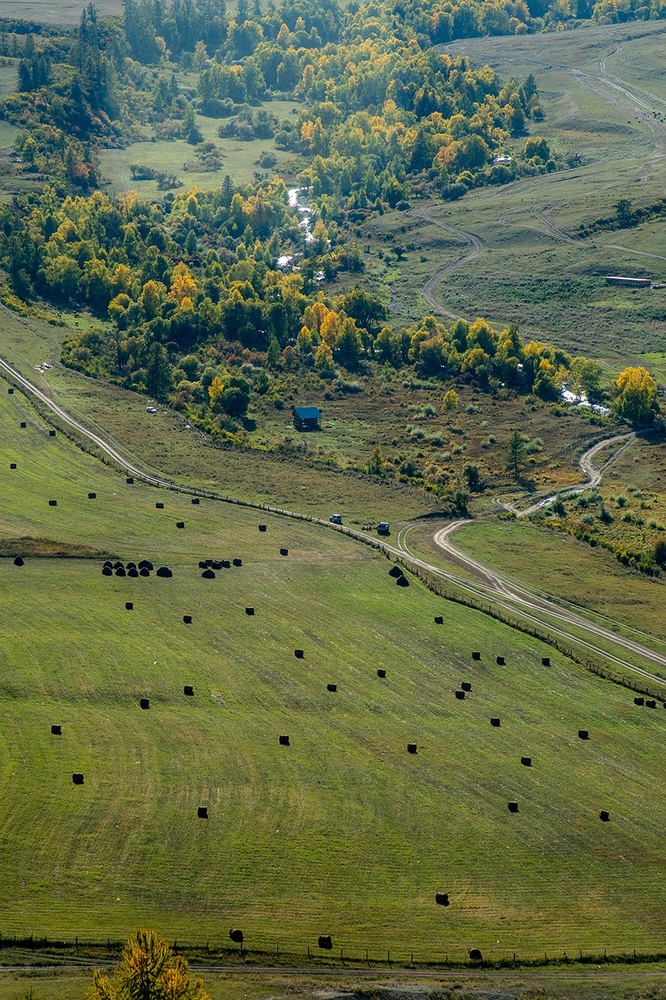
{"type": "Point", "coordinates": [145, 564]}
{"type": "Point", "coordinates": [144, 703]}
{"type": "Point", "coordinates": [52, 434]}
{"type": "Point", "coordinates": [284, 741]}
{"type": "Point", "coordinates": [411, 748]}
{"type": "Point", "coordinates": [92, 496]}
{"type": "Point", "coordinates": [77, 778]}
{"type": "Point", "coordinates": [439, 619]}
{"type": "Point", "coordinates": [500, 661]}
{"type": "Point", "coordinates": [144, 572]}
{"type": "Point", "coordinates": [513, 807]}
{"type": "Point", "coordinates": [202, 812]}
{"type": "Point", "coordinates": [237, 562]}
{"type": "Point", "coordinates": [299, 654]}
{"type": "Point", "coordinates": [18, 561]}
{"type": "Point", "coordinates": [381, 672]}
{"type": "Point", "coordinates": [129, 606]}
{"type": "Point", "coordinates": [208, 574]}
{"type": "Point", "coordinates": [121, 571]}
{"type": "Point", "coordinates": [159, 506]}
{"type": "Point", "coordinates": [284, 552]}
{"type": "Point", "coordinates": [395, 572]}
{"type": "Point", "coordinates": [118, 564]}
{"type": "Point", "coordinates": [107, 571]}
{"type": "Point", "coordinates": [164, 571]}
{"type": "Point", "coordinates": [10, 392]}
{"type": "Point", "coordinates": [56, 730]}
{"type": "Point", "coordinates": [476, 655]}
{"type": "Point", "coordinates": [195, 500]}
{"type": "Point", "coordinates": [650, 703]}
{"type": "Point", "coordinates": [188, 690]}
{"type": "Point", "coordinates": [526, 761]}
{"type": "Point", "coordinates": [12, 465]}
{"type": "Point", "coordinates": [130, 565]}
{"type": "Point", "coordinates": [216, 564]}
{"type": "Point", "coordinates": [325, 942]}
{"type": "Point", "coordinates": [442, 898]}
{"type": "Point", "coordinates": [236, 935]}
{"type": "Point", "coordinates": [583, 734]}
{"type": "Point", "coordinates": [203, 564]}
{"type": "Point", "coordinates": [545, 661]}
{"type": "Point", "coordinates": [475, 955]}
{"type": "Point", "coordinates": [133, 572]}
{"type": "Point", "coordinates": [130, 481]}
{"type": "Point", "coordinates": [331, 687]}
{"type": "Point", "coordinates": [466, 686]}
{"type": "Point", "coordinates": [23, 424]}
{"type": "Point", "coordinates": [402, 581]}
{"type": "Point", "coordinates": [604, 816]}
{"type": "Point", "coordinates": [225, 564]}
{"type": "Point", "coordinates": [460, 695]}
{"type": "Point", "coordinates": [180, 524]}
{"type": "Point", "coordinates": [495, 722]}
{"type": "Point", "coordinates": [107, 562]}
{"type": "Point", "coordinates": [249, 611]}
{"type": "Point", "coordinates": [53, 503]}
{"type": "Point", "coordinates": [209, 562]}
{"type": "Point", "coordinates": [262, 527]}
{"type": "Point", "coordinates": [187, 619]}
{"type": "Point", "coordinates": [639, 701]}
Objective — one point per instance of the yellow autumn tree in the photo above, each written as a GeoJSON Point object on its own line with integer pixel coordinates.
{"type": "Point", "coordinates": [636, 398]}
{"type": "Point", "coordinates": [183, 284]}
{"type": "Point", "coordinates": [148, 970]}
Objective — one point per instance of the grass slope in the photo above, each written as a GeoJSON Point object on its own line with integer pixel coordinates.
{"type": "Point", "coordinates": [343, 832]}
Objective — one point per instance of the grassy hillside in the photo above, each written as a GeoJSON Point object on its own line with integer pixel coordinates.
{"type": "Point", "coordinates": [343, 832]}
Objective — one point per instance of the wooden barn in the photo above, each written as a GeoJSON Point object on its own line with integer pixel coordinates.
{"type": "Point", "coordinates": [306, 418]}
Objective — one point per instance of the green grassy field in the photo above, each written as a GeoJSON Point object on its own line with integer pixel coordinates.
{"type": "Point", "coordinates": [343, 832]}
{"type": "Point", "coordinates": [66, 12]}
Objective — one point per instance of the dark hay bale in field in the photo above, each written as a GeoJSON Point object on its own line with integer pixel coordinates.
{"type": "Point", "coordinates": [52, 434]}
{"type": "Point", "coordinates": [107, 562]}
{"type": "Point", "coordinates": [159, 505]}
{"type": "Point", "coordinates": [284, 741]}
{"type": "Point", "coordinates": [18, 561]}
{"type": "Point", "coordinates": [53, 503]}
{"type": "Point", "coordinates": [495, 722]}
{"type": "Point", "coordinates": [107, 571]}
{"type": "Point", "coordinates": [604, 816]}
{"type": "Point", "coordinates": [121, 571]}
{"type": "Point", "coordinates": [237, 562]}
{"type": "Point", "coordinates": [395, 572]}
{"type": "Point", "coordinates": [180, 524]}
{"type": "Point", "coordinates": [442, 898]}
{"type": "Point", "coordinates": [202, 812]}
{"type": "Point", "coordinates": [262, 527]}
{"type": "Point", "coordinates": [208, 574]}
{"type": "Point", "coordinates": [133, 572]}
{"type": "Point", "coordinates": [513, 807]}
{"type": "Point", "coordinates": [402, 581]}
{"type": "Point", "coordinates": [130, 480]}
{"type": "Point", "coordinates": [639, 701]}
{"type": "Point", "coordinates": [118, 564]}
{"type": "Point", "coordinates": [331, 687]}
{"type": "Point", "coordinates": [650, 703]}
{"type": "Point", "coordinates": [249, 611]}
{"type": "Point", "coordinates": [209, 562]}
{"type": "Point", "coordinates": [187, 619]}
{"type": "Point", "coordinates": [439, 619]}
{"type": "Point", "coordinates": [56, 730]}
{"type": "Point", "coordinates": [299, 654]}
{"type": "Point", "coordinates": [77, 778]}
{"type": "Point", "coordinates": [145, 564]}
{"type": "Point", "coordinates": [10, 392]}
{"type": "Point", "coordinates": [144, 703]}
{"type": "Point", "coordinates": [325, 941]}
{"type": "Point", "coordinates": [236, 935]}
{"type": "Point", "coordinates": [129, 606]}
{"type": "Point", "coordinates": [23, 424]}
{"type": "Point", "coordinates": [476, 655]}
{"type": "Point", "coordinates": [411, 748]}
{"type": "Point", "coordinates": [460, 695]}
{"type": "Point", "coordinates": [92, 496]}
{"type": "Point", "coordinates": [225, 564]}
{"type": "Point", "coordinates": [195, 500]}
{"type": "Point", "coordinates": [526, 761]}
{"type": "Point", "coordinates": [381, 672]}
{"type": "Point", "coordinates": [545, 661]}
{"type": "Point", "coordinates": [583, 734]}
{"type": "Point", "coordinates": [188, 690]}
{"type": "Point", "coordinates": [144, 572]}
{"type": "Point", "coordinates": [500, 661]}
{"type": "Point", "coordinates": [164, 571]}
{"type": "Point", "coordinates": [130, 565]}
{"type": "Point", "coordinates": [284, 552]}
{"type": "Point", "coordinates": [12, 465]}
{"type": "Point", "coordinates": [475, 955]}
{"type": "Point", "coordinates": [466, 686]}
{"type": "Point", "coordinates": [216, 564]}
{"type": "Point", "coordinates": [203, 564]}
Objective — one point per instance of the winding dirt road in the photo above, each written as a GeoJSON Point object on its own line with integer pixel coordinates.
{"type": "Point", "coordinates": [476, 248]}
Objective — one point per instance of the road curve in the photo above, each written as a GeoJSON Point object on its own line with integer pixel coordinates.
{"type": "Point", "coordinates": [476, 248]}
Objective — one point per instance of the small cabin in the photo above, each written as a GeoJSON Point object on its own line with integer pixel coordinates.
{"type": "Point", "coordinates": [306, 418]}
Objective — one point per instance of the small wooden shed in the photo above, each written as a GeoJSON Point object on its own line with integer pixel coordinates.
{"type": "Point", "coordinates": [306, 418]}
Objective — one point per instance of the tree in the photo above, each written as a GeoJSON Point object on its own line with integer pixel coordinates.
{"type": "Point", "coordinates": [660, 552]}
{"type": "Point", "coordinates": [273, 353]}
{"type": "Point", "coordinates": [148, 970]}
{"type": "Point", "coordinates": [515, 454]}
{"type": "Point", "coordinates": [636, 399]}
{"type": "Point", "coordinates": [450, 403]}
{"type": "Point", "coordinates": [473, 478]}
{"type": "Point", "coordinates": [323, 361]}
{"type": "Point", "coordinates": [349, 344]}
{"type": "Point", "coordinates": [158, 373]}
{"type": "Point", "coordinates": [376, 462]}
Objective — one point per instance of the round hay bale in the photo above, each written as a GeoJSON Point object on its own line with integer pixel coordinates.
{"type": "Point", "coordinates": [208, 574]}
{"type": "Point", "coordinates": [381, 672]}
{"type": "Point", "coordinates": [299, 654]}
{"type": "Point", "coordinates": [164, 571]}
{"type": "Point", "coordinates": [118, 565]}
{"type": "Point", "coordinates": [12, 465]}
{"type": "Point", "coordinates": [107, 562]}
{"type": "Point", "coordinates": [202, 812]}
{"type": "Point", "coordinates": [236, 935]}
{"type": "Point", "coordinates": [129, 606]}
{"type": "Point", "coordinates": [395, 572]}
{"type": "Point", "coordinates": [526, 761]}
{"type": "Point", "coordinates": [460, 695]}
{"type": "Point", "coordinates": [159, 505]}
{"type": "Point", "coordinates": [130, 480]}
{"type": "Point", "coordinates": [130, 565]}
{"type": "Point", "coordinates": [331, 687]}
{"type": "Point", "coordinates": [144, 703]}
{"type": "Point", "coordinates": [237, 562]}
{"type": "Point", "coordinates": [604, 816]}
{"type": "Point", "coordinates": [144, 572]}
{"type": "Point", "coordinates": [195, 500]}
{"type": "Point", "coordinates": [500, 661]}
{"type": "Point", "coordinates": [145, 564]}
{"type": "Point", "coordinates": [325, 942]}
{"type": "Point", "coordinates": [650, 703]}
{"type": "Point", "coordinates": [476, 655]}
{"type": "Point", "coordinates": [92, 496]}
{"type": "Point", "coordinates": [187, 619]}
{"type": "Point", "coordinates": [107, 571]}
{"type": "Point", "coordinates": [249, 611]}
{"type": "Point", "coordinates": [284, 552]}
{"type": "Point", "coordinates": [133, 571]}
{"type": "Point", "coordinates": [513, 807]}
{"type": "Point", "coordinates": [442, 898]}
{"type": "Point", "coordinates": [209, 562]}
{"type": "Point", "coordinates": [52, 434]}
{"type": "Point", "coordinates": [284, 741]}
{"type": "Point", "coordinates": [411, 748]}
{"type": "Point", "coordinates": [495, 722]}
{"type": "Point", "coordinates": [639, 701]}
{"type": "Point", "coordinates": [439, 619]}
{"type": "Point", "coordinates": [262, 527]}
{"type": "Point", "coordinates": [188, 690]}
{"type": "Point", "coordinates": [466, 686]}
{"type": "Point", "coordinates": [225, 564]}
{"type": "Point", "coordinates": [180, 524]}
{"type": "Point", "coordinates": [583, 734]}
{"type": "Point", "coordinates": [77, 778]}
{"type": "Point", "coordinates": [475, 955]}
{"type": "Point", "coordinates": [18, 561]}
{"type": "Point", "coordinates": [56, 730]}
{"type": "Point", "coordinates": [216, 564]}
{"type": "Point", "coordinates": [121, 571]}
{"type": "Point", "coordinates": [53, 503]}
{"type": "Point", "coordinates": [402, 581]}
{"type": "Point", "coordinates": [203, 564]}
{"type": "Point", "coordinates": [10, 392]}
{"type": "Point", "coordinates": [545, 661]}
{"type": "Point", "coordinates": [23, 424]}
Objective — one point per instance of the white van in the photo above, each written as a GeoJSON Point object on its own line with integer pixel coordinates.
{"type": "Point", "coordinates": [335, 518]}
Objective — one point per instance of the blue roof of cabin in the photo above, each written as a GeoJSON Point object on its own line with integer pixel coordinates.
{"type": "Point", "coordinates": [307, 412]}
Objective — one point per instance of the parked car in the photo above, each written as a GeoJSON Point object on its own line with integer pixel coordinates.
{"type": "Point", "coordinates": [151, 409]}
{"type": "Point", "coordinates": [335, 518]}
{"type": "Point", "coordinates": [383, 528]}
